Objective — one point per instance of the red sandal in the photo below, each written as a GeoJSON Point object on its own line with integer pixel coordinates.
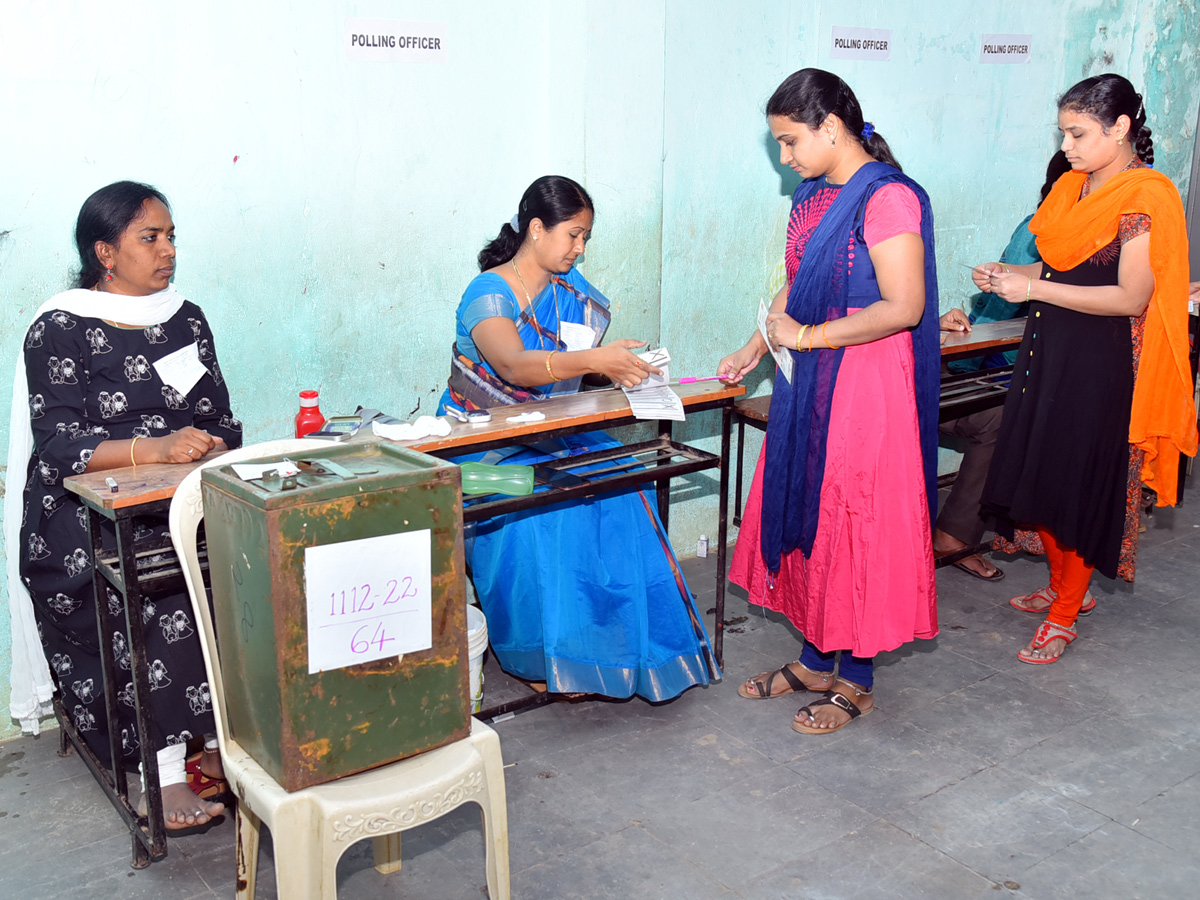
{"type": "Point", "coordinates": [1048, 631]}
{"type": "Point", "coordinates": [202, 786]}
{"type": "Point", "coordinates": [1089, 602]}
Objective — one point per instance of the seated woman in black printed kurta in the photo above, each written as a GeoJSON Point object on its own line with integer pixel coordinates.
{"type": "Point", "coordinates": [119, 370]}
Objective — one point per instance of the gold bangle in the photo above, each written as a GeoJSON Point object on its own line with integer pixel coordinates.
{"type": "Point", "coordinates": [1029, 290]}
{"type": "Point", "coordinates": [132, 444]}
{"type": "Point", "coordinates": [800, 337]}
{"type": "Point", "coordinates": [550, 356]}
{"type": "Point", "coordinates": [825, 339]}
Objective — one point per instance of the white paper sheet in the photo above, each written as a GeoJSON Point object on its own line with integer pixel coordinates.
{"type": "Point", "coordinates": [368, 599]}
{"type": "Point", "coordinates": [783, 358]}
{"type": "Point", "coordinates": [251, 471]}
{"type": "Point", "coordinates": [653, 398]}
{"type": "Point", "coordinates": [181, 369]}
{"type": "Point", "coordinates": [527, 417]}
{"type": "Point", "coordinates": [424, 426]}
{"type": "Point", "coordinates": [576, 336]}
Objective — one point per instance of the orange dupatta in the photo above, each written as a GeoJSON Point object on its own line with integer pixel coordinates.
{"type": "Point", "coordinates": [1162, 421]}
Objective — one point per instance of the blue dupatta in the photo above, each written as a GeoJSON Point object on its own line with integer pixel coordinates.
{"type": "Point", "coordinates": [799, 416]}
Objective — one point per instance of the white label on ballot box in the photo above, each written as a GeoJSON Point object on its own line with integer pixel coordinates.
{"type": "Point", "coordinates": [368, 599]}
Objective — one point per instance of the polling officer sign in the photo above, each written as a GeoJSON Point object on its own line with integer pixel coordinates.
{"type": "Point", "coordinates": [861, 43]}
{"type": "Point", "coordinates": [387, 40]}
{"type": "Point", "coordinates": [1005, 48]}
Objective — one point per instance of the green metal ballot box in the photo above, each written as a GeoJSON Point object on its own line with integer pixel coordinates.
{"type": "Point", "coordinates": [338, 598]}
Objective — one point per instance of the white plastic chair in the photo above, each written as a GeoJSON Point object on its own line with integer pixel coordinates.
{"type": "Point", "coordinates": [313, 827]}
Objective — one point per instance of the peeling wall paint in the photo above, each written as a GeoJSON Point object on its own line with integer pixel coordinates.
{"type": "Point", "coordinates": [329, 211]}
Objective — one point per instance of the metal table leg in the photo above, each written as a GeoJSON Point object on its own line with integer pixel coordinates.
{"type": "Point", "coordinates": [722, 535]}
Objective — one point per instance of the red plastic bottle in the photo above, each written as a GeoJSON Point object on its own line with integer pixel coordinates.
{"type": "Point", "coordinates": [309, 419]}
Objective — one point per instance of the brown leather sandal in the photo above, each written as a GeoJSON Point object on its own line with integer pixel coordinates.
{"type": "Point", "coordinates": [762, 688]}
{"type": "Point", "coordinates": [832, 698]}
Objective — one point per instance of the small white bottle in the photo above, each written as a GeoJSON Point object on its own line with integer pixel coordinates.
{"type": "Point", "coordinates": [702, 546]}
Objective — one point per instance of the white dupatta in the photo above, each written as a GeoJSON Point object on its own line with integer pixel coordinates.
{"type": "Point", "coordinates": [32, 686]}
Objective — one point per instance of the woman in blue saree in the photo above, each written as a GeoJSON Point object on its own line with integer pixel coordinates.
{"type": "Point", "coordinates": [586, 596]}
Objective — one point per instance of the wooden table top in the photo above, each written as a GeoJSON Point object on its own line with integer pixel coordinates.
{"type": "Point", "coordinates": [142, 484]}
{"type": "Point", "coordinates": [136, 485]}
{"type": "Point", "coordinates": [585, 408]}
{"type": "Point", "coordinates": [984, 336]}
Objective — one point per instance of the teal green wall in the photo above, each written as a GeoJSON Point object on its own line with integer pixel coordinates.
{"type": "Point", "coordinates": [333, 252]}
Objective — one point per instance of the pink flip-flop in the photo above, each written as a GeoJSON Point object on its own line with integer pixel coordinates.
{"type": "Point", "coordinates": [1089, 602]}
{"type": "Point", "coordinates": [1048, 631]}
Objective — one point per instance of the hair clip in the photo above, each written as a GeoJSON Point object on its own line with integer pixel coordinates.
{"type": "Point", "coordinates": [868, 130]}
{"type": "Point", "coordinates": [515, 223]}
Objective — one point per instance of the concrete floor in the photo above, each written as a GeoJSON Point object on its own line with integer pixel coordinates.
{"type": "Point", "coordinates": [977, 776]}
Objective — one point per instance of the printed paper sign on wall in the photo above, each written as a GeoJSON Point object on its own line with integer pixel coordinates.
{"type": "Point", "coordinates": [1005, 48]}
{"type": "Point", "coordinates": [386, 40]}
{"type": "Point", "coordinates": [861, 43]}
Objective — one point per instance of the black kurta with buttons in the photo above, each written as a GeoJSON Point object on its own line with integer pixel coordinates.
{"type": "Point", "coordinates": [1062, 457]}
{"type": "Point", "coordinates": [91, 381]}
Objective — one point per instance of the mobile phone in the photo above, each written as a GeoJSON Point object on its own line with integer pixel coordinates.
{"type": "Point", "coordinates": [337, 428]}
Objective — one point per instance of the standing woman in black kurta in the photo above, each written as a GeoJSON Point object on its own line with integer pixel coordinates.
{"type": "Point", "coordinates": [1102, 370]}
{"type": "Point", "coordinates": [119, 370]}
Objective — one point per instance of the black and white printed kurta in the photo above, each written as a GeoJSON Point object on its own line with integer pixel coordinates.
{"type": "Point", "coordinates": [91, 381]}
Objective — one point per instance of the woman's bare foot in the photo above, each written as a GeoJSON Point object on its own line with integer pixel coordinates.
{"type": "Point", "coordinates": [1048, 644]}
{"type": "Point", "coordinates": [1050, 651]}
{"type": "Point", "coordinates": [828, 715]}
{"type": "Point", "coordinates": [183, 809]}
{"type": "Point", "coordinates": [766, 685]}
{"type": "Point", "coordinates": [945, 544]}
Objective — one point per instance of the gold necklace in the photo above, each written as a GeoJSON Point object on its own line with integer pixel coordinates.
{"type": "Point", "coordinates": [533, 315]}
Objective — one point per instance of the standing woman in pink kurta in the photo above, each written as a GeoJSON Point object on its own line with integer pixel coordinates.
{"type": "Point", "coordinates": [836, 530]}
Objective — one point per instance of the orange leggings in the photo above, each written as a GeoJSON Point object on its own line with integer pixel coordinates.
{"type": "Point", "coordinates": [1069, 577]}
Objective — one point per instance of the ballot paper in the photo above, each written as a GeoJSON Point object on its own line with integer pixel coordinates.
{"type": "Point", "coordinates": [653, 398]}
{"type": "Point", "coordinates": [253, 471]}
{"type": "Point", "coordinates": [783, 358]}
{"type": "Point", "coordinates": [577, 336]}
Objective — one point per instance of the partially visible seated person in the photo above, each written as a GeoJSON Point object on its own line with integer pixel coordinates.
{"type": "Point", "coordinates": [90, 395]}
{"type": "Point", "coordinates": [586, 596]}
{"type": "Point", "coordinates": [959, 524]}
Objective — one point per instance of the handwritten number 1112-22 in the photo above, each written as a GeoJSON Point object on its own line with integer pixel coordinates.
{"type": "Point", "coordinates": [350, 602]}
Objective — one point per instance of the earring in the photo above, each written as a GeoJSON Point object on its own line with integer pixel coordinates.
{"type": "Point", "coordinates": [1120, 141]}
{"type": "Point", "coordinates": [108, 273]}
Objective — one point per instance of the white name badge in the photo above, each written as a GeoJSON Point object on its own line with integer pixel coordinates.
{"type": "Point", "coordinates": [181, 369]}
{"type": "Point", "coordinates": [576, 336]}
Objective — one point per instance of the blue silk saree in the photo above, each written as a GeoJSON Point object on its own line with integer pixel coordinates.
{"type": "Point", "coordinates": [585, 595]}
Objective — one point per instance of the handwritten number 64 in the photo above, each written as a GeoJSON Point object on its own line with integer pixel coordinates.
{"type": "Point", "coordinates": [359, 644]}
